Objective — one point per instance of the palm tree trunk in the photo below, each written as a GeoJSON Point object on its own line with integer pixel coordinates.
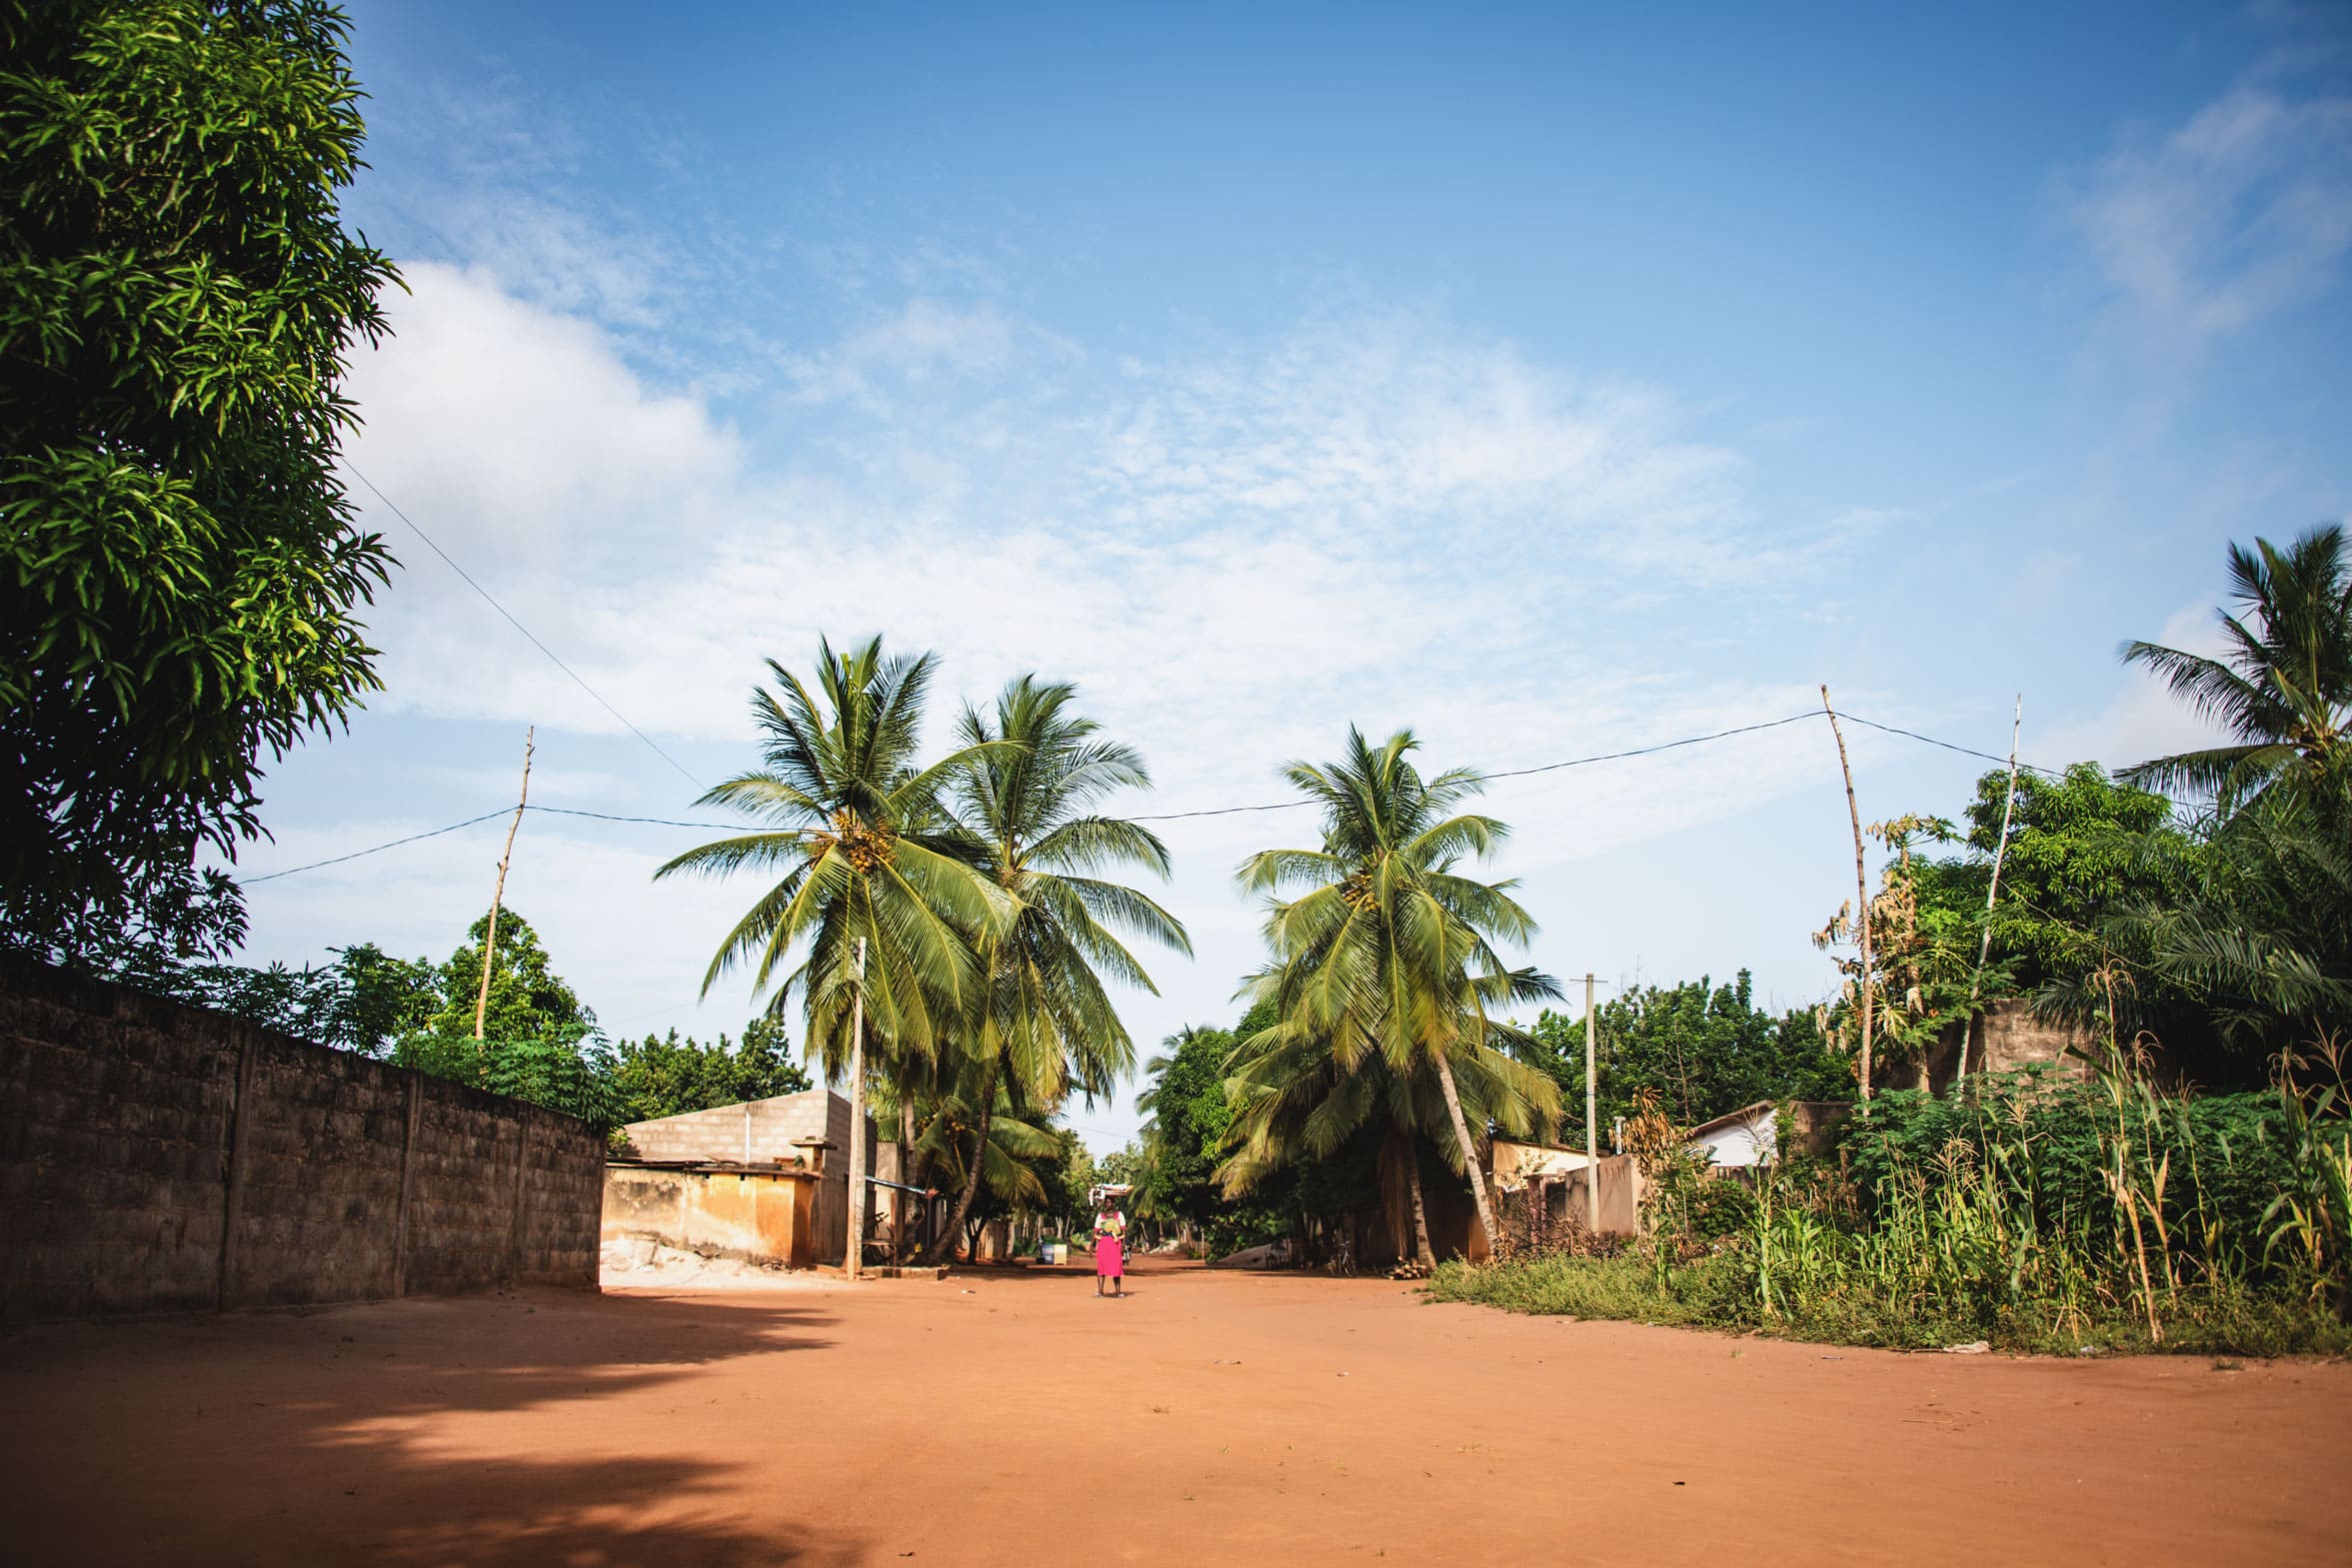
{"type": "Point", "coordinates": [1423, 1253]}
{"type": "Point", "coordinates": [971, 1192]}
{"type": "Point", "coordinates": [1470, 1158]}
{"type": "Point", "coordinates": [854, 1263]}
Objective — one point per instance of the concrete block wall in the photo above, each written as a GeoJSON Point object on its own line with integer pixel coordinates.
{"type": "Point", "coordinates": [2005, 1036]}
{"type": "Point", "coordinates": [160, 1157]}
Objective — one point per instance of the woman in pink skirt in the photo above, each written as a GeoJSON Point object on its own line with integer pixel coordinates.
{"type": "Point", "coordinates": [1109, 1238]}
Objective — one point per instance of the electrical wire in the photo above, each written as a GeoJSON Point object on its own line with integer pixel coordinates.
{"type": "Point", "coordinates": [520, 627]}
{"type": "Point", "coordinates": [658, 821]}
{"type": "Point", "coordinates": [271, 877]}
{"type": "Point", "coordinates": [1964, 751]}
{"type": "Point", "coordinates": [1278, 805]}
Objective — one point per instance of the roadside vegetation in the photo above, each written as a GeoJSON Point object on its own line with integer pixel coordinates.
{"type": "Point", "coordinates": [2196, 1193]}
{"type": "Point", "coordinates": [2027, 1214]}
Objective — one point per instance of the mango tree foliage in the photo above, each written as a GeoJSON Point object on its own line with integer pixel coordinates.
{"type": "Point", "coordinates": [669, 1075]}
{"type": "Point", "coordinates": [1699, 1049]}
{"type": "Point", "coordinates": [181, 577]}
{"type": "Point", "coordinates": [1184, 1139]}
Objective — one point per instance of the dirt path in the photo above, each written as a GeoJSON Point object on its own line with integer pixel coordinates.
{"type": "Point", "coordinates": [1009, 1418]}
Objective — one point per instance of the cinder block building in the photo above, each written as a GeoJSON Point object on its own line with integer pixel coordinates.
{"type": "Point", "coordinates": [809, 1129]}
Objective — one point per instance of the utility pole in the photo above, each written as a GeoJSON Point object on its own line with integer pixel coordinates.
{"type": "Point", "coordinates": [905, 1174]}
{"type": "Point", "coordinates": [1984, 950]}
{"type": "Point", "coordinates": [854, 1263]}
{"type": "Point", "coordinates": [1591, 1122]}
{"type": "Point", "coordinates": [498, 892]}
{"type": "Point", "coordinates": [1861, 892]}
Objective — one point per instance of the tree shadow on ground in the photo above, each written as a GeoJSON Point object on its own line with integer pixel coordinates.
{"type": "Point", "coordinates": [401, 1432]}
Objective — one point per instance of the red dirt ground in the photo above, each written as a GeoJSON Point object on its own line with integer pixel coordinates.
{"type": "Point", "coordinates": [1009, 1417]}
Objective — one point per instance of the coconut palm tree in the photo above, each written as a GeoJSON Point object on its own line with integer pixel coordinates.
{"type": "Point", "coordinates": [1024, 816]}
{"type": "Point", "coordinates": [2284, 681]}
{"type": "Point", "coordinates": [1389, 953]}
{"type": "Point", "coordinates": [1016, 1141]}
{"type": "Point", "coordinates": [870, 888]}
{"type": "Point", "coordinates": [1293, 1100]}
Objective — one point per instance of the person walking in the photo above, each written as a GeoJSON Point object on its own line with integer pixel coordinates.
{"type": "Point", "coordinates": [1110, 1248]}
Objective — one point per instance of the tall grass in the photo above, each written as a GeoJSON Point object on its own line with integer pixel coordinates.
{"type": "Point", "coordinates": [2027, 1212]}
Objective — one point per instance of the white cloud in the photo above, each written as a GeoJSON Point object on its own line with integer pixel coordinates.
{"type": "Point", "coordinates": [2144, 719]}
{"type": "Point", "coordinates": [923, 341]}
{"type": "Point", "coordinates": [1235, 553]}
{"type": "Point", "coordinates": [1392, 426]}
{"type": "Point", "coordinates": [2241, 212]}
{"type": "Point", "coordinates": [1367, 511]}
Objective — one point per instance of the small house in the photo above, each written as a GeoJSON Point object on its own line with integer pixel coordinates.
{"type": "Point", "coordinates": [1743, 1138]}
{"type": "Point", "coordinates": [766, 1148]}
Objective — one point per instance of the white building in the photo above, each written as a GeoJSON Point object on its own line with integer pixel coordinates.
{"type": "Point", "coordinates": [1745, 1137]}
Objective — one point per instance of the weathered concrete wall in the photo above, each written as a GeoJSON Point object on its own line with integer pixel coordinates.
{"type": "Point", "coordinates": [760, 1216]}
{"type": "Point", "coordinates": [761, 1132]}
{"type": "Point", "coordinates": [159, 1157]}
{"type": "Point", "coordinates": [2003, 1037]}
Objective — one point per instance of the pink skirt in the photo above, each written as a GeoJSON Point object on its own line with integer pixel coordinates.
{"type": "Point", "coordinates": [1107, 1262]}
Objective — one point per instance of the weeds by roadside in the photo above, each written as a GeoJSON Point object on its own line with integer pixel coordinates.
{"type": "Point", "coordinates": [2109, 1216]}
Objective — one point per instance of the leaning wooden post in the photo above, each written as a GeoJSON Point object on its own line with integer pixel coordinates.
{"type": "Point", "coordinates": [1984, 950]}
{"type": "Point", "coordinates": [854, 1263]}
{"type": "Point", "coordinates": [499, 892]}
{"type": "Point", "coordinates": [1861, 892]}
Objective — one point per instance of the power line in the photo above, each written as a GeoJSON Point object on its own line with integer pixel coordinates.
{"type": "Point", "coordinates": [520, 627]}
{"type": "Point", "coordinates": [658, 821]}
{"type": "Point", "coordinates": [1226, 811]}
{"type": "Point", "coordinates": [271, 877]}
{"type": "Point", "coordinates": [1613, 756]}
{"type": "Point", "coordinates": [1650, 751]}
{"type": "Point", "coordinates": [1515, 772]}
{"type": "Point", "coordinates": [1964, 751]}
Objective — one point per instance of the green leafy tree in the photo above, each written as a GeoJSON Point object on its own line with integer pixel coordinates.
{"type": "Point", "coordinates": [572, 1073]}
{"type": "Point", "coordinates": [668, 1076]}
{"type": "Point", "coordinates": [380, 999]}
{"type": "Point", "coordinates": [1699, 1049]}
{"type": "Point", "coordinates": [2284, 679]}
{"type": "Point", "coordinates": [1026, 803]}
{"type": "Point", "coordinates": [1074, 1178]}
{"type": "Point", "coordinates": [362, 1002]}
{"type": "Point", "coordinates": [540, 1043]}
{"type": "Point", "coordinates": [527, 999]}
{"type": "Point", "coordinates": [1389, 951]}
{"type": "Point", "coordinates": [1188, 1115]}
{"type": "Point", "coordinates": [181, 578]}
{"type": "Point", "coordinates": [2079, 852]}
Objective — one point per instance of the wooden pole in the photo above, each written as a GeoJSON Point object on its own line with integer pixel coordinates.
{"type": "Point", "coordinates": [1861, 892]}
{"type": "Point", "coordinates": [1591, 1122]}
{"type": "Point", "coordinates": [853, 1266]}
{"type": "Point", "coordinates": [498, 892]}
{"type": "Point", "coordinates": [1984, 948]}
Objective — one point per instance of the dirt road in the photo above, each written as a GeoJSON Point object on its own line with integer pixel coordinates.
{"type": "Point", "coordinates": [1009, 1418]}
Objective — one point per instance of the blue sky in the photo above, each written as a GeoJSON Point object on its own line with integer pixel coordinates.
{"type": "Point", "coordinates": [1552, 382]}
